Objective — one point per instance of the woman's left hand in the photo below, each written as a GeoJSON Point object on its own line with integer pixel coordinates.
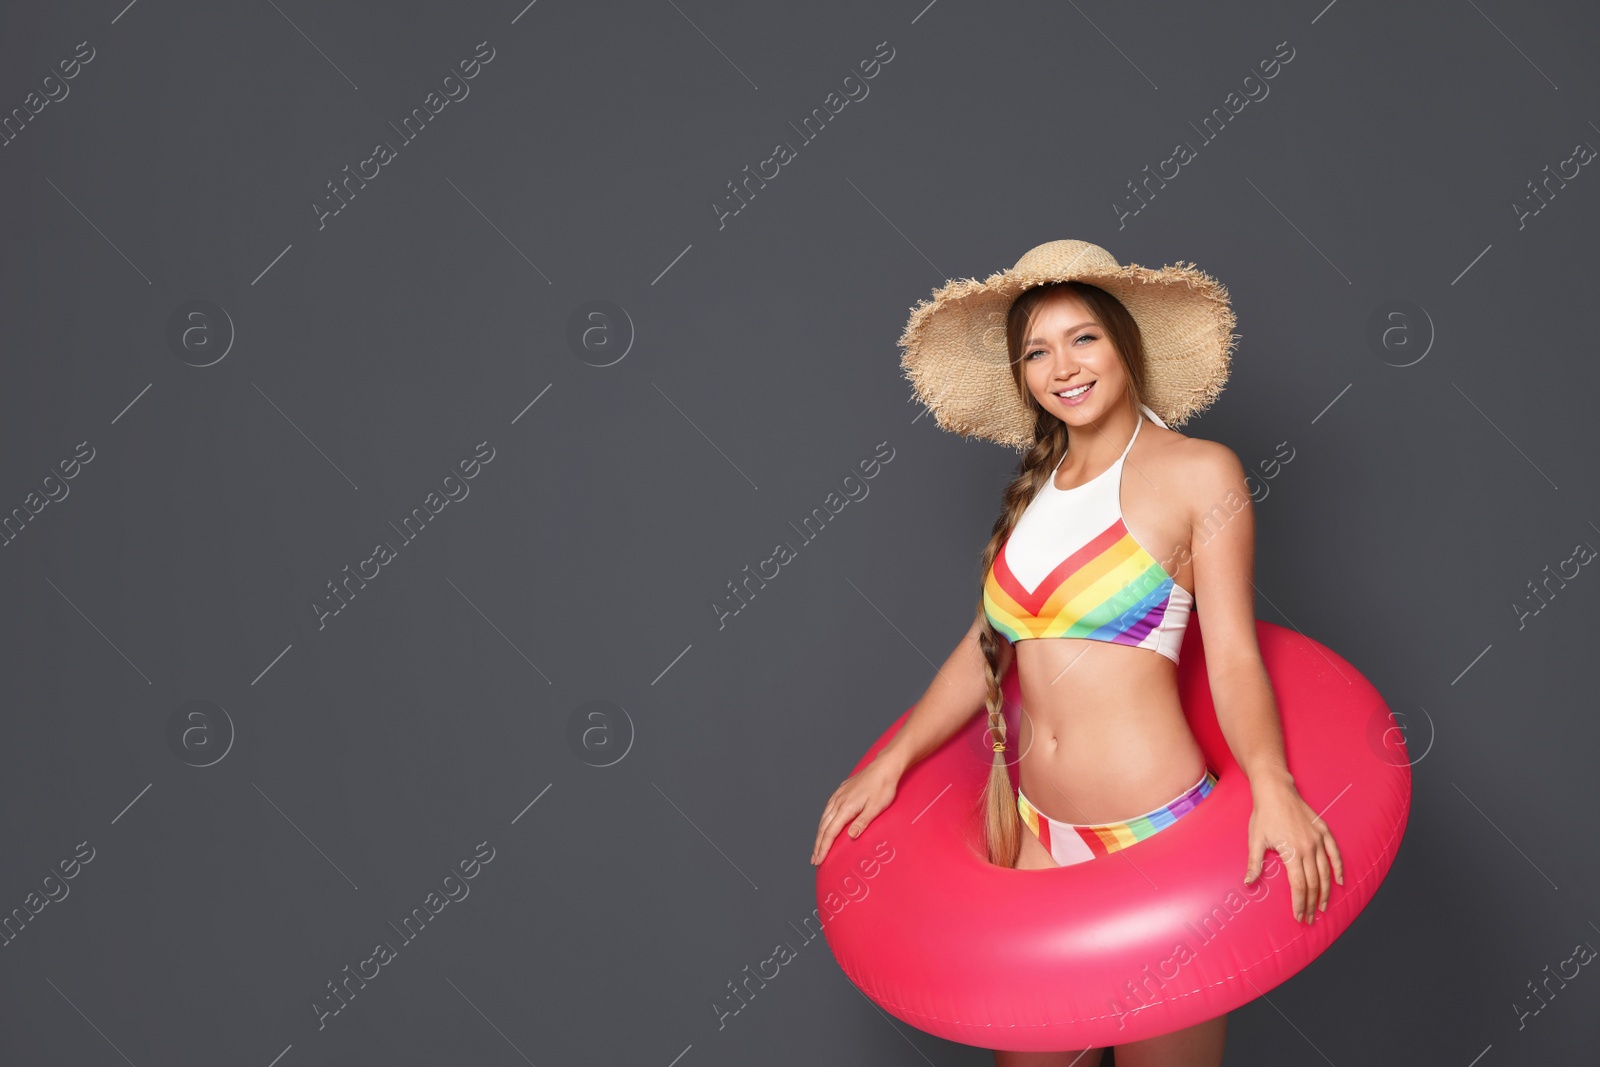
{"type": "Point", "coordinates": [1282, 820]}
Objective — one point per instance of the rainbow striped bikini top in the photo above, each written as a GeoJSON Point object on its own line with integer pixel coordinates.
{"type": "Point", "coordinates": [1071, 568]}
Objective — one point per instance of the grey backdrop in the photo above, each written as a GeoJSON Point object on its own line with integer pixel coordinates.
{"type": "Point", "coordinates": [218, 395]}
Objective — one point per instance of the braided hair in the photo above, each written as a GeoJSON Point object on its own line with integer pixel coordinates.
{"type": "Point", "coordinates": [1002, 822]}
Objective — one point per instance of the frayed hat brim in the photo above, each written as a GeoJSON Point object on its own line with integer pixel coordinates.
{"type": "Point", "coordinates": [953, 346]}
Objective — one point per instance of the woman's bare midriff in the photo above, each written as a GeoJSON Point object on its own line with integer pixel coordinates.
{"type": "Point", "coordinates": [1103, 735]}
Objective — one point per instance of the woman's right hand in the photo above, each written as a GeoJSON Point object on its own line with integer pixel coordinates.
{"type": "Point", "coordinates": [860, 797]}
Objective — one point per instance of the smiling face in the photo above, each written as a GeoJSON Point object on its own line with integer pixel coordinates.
{"type": "Point", "coordinates": [1069, 363]}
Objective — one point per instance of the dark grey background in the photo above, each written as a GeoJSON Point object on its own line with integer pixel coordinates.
{"type": "Point", "coordinates": [364, 759]}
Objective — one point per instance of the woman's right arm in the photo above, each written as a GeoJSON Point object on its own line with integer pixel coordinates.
{"type": "Point", "coordinates": [956, 694]}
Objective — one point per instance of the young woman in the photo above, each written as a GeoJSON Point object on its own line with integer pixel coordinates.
{"type": "Point", "coordinates": [1113, 529]}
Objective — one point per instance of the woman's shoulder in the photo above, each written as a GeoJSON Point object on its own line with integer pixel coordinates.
{"type": "Point", "coordinates": [1205, 469]}
{"type": "Point", "coordinates": [1195, 461]}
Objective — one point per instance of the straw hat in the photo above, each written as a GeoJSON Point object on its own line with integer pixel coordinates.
{"type": "Point", "coordinates": [954, 346]}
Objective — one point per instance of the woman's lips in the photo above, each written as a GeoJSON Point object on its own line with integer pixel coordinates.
{"type": "Point", "coordinates": [1074, 401]}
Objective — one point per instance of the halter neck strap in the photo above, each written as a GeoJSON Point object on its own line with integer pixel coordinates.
{"type": "Point", "coordinates": [1157, 419]}
{"type": "Point", "coordinates": [1129, 446]}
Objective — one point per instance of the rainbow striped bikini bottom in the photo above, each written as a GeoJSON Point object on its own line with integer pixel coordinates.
{"type": "Point", "coordinates": [1071, 843]}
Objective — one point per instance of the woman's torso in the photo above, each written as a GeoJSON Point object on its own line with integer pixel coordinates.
{"type": "Point", "coordinates": [1103, 735]}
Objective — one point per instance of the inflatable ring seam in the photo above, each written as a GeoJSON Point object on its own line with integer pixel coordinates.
{"type": "Point", "coordinates": [1381, 853]}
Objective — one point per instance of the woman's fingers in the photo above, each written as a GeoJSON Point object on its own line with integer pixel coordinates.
{"type": "Point", "coordinates": [1324, 877]}
{"type": "Point", "coordinates": [1252, 862]}
{"type": "Point", "coordinates": [824, 839]}
{"type": "Point", "coordinates": [1333, 853]}
{"type": "Point", "coordinates": [859, 826]}
{"type": "Point", "coordinates": [853, 805]}
{"type": "Point", "coordinates": [1313, 886]}
{"type": "Point", "coordinates": [1297, 877]}
{"type": "Point", "coordinates": [841, 817]}
{"type": "Point", "coordinates": [830, 830]}
{"type": "Point", "coordinates": [822, 826]}
{"type": "Point", "coordinates": [817, 848]}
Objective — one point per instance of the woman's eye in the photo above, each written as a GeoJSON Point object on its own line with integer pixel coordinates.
{"type": "Point", "coordinates": [1075, 340]}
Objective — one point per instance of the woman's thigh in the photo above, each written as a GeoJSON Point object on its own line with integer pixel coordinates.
{"type": "Point", "coordinates": [1199, 1045]}
{"type": "Point", "coordinates": [1089, 1057]}
{"type": "Point", "coordinates": [1033, 855]}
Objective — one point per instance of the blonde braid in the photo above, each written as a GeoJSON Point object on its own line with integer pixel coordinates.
{"type": "Point", "coordinates": [1001, 821]}
{"type": "Point", "coordinates": [1002, 824]}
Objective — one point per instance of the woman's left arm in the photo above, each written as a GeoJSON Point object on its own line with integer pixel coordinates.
{"type": "Point", "coordinates": [1222, 540]}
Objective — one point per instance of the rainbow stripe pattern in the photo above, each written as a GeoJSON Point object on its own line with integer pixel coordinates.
{"type": "Point", "coordinates": [1111, 589]}
{"type": "Point", "coordinates": [1070, 843]}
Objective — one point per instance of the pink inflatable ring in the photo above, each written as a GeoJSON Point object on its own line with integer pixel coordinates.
{"type": "Point", "coordinates": [1150, 939]}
